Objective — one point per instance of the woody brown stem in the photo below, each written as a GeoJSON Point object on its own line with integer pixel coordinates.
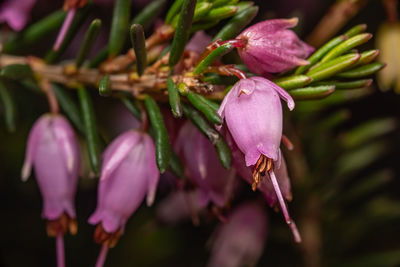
{"type": "Point", "coordinates": [152, 82]}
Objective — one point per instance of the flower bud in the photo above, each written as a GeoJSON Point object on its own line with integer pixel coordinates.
{"type": "Point", "coordinates": [240, 241]}
{"type": "Point", "coordinates": [53, 151]}
{"type": "Point", "coordinates": [128, 173]}
{"type": "Point", "coordinates": [271, 47]}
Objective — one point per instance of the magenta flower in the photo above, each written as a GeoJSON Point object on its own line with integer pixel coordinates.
{"type": "Point", "coordinates": [253, 113]}
{"type": "Point", "coordinates": [215, 183]}
{"type": "Point", "coordinates": [53, 151]}
{"type": "Point", "coordinates": [271, 47]}
{"type": "Point", "coordinates": [199, 42]}
{"type": "Point", "coordinates": [129, 172]}
{"type": "Point", "coordinates": [240, 241]}
{"type": "Point", "coordinates": [16, 13]}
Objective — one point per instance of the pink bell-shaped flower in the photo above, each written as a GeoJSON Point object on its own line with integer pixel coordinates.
{"type": "Point", "coordinates": [240, 241]}
{"type": "Point", "coordinates": [203, 167]}
{"type": "Point", "coordinates": [53, 152]}
{"type": "Point", "coordinates": [129, 173]}
{"type": "Point", "coordinates": [270, 47]}
{"type": "Point", "coordinates": [253, 115]}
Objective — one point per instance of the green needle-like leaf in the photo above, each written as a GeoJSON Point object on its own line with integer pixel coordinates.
{"type": "Point", "coordinates": [132, 107]}
{"type": "Point", "coordinates": [195, 117]}
{"type": "Point", "coordinates": [163, 145]}
{"type": "Point", "coordinates": [347, 85]}
{"type": "Point", "coordinates": [360, 28]}
{"type": "Point", "coordinates": [8, 107]}
{"type": "Point", "coordinates": [88, 42]}
{"type": "Point", "coordinates": [214, 55]}
{"type": "Point", "coordinates": [173, 10]}
{"type": "Point", "coordinates": [182, 31]}
{"type": "Point", "coordinates": [224, 153]}
{"type": "Point", "coordinates": [91, 132]}
{"type": "Point", "coordinates": [332, 67]}
{"type": "Point", "coordinates": [139, 46]}
{"type": "Point", "coordinates": [347, 46]}
{"type": "Point", "coordinates": [119, 27]}
{"type": "Point", "coordinates": [292, 82]}
{"type": "Point", "coordinates": [309, 93]}
{"type": "Point", "coordinates": [149, 13]}
{"type": "Point", "coordinates": [236, 24]}
{"type": "Point", "coordinates": [362, 71]}
{"type": "Point", "coordinates": [174, 98]}
{"type": "Point", "coordinates": [317, 55]}
{"type": "Point", "coordinates": [69, 106]}
{"type": "Point", "coordinates": [176, 166]}
{"type": "Point", "coordinates": [204, 108]}
{"type": "Point", "coordinates": [221, 13]}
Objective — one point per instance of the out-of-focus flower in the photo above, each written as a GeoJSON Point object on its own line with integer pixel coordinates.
{"type": "Point", "coordinates": [53, 151]}
{"type": "Point", "coordinates": [16, 13]}
{"type": "Point", "coordinates": [180, 206]}
{"type": "Point", "coordinates": [199, 42]}
{"type": "Point", "coordinates": [270, 47]}
{"type": "Point", "coordinates": [240, 241]}
{"type": "Point", "coordinates": [129, 172]}
{"type": "Point", "coordinates": [203, 167]}
{"type": "Point", "coordinates": [388, 42]}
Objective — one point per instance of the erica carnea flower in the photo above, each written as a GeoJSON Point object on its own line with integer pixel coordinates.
{"type": "Point", "coordinates": [53, 152]}
{"type": "Point", "coordinates": [203, 167]}
{"type": "Point", "coordinates": [271, 47]}
{"type": "Point", "coordinates": [16, 13]}
{"type": "Point", "coordinates": [129, 172]}
{"type": "Point", "coordinates": [240, 241]}
{"type": "Point", "coordinates": [253, 113]}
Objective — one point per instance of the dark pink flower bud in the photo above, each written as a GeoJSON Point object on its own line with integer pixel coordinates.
{"type": "Point", "coordinates": [240, 241]}
{"type": "Point", "coordinates": [215, 183]}
{"type": "Point", "coordinates": [129, 173]}
{"type": "Point", "coordinates": [53, 151]}
{"type": "Point", "coordinates": [271, 47]}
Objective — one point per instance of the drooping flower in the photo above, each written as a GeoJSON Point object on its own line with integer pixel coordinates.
{"type": "Point", "coordinates": [270, 47]}
{"type": "Point", "coordinates": [253, 113]}
{"type": "Point", "coordinates": [203, 167]}
{"type": "Point", "coordinates": [16, 13]}
{"type": "Point", "coordinates": [129, 172]}
{"type": "Point", "coordinates": [240, 241]}
{"type": "Point", "coordinates": [53, 152]}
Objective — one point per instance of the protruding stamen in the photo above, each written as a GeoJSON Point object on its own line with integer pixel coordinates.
{"type": "Point", "coordinates": [64, 29]}
{"type": "Point", "coordinates": [101, 259]}
{"type": "Point", "coordinates": [60, 250]}
{"type": "Point", "coordinates": [105, 238]}
{"type": "Point", "coordinates": [284, 209]}
{"type": "Point", "coordinates": [262, 165]}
